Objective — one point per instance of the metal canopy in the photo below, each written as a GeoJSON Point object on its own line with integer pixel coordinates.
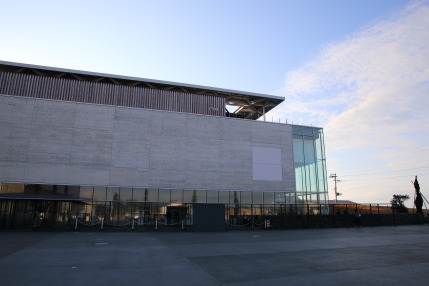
{"type": "Point", "coordinates": [249, 105]}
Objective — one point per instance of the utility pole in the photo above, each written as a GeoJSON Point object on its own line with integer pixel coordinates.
{"type": "Point", "coordinates": [334, 176]}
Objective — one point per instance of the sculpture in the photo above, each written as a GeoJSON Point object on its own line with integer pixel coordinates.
{"type": "Point", "coordinates": [418, 200]}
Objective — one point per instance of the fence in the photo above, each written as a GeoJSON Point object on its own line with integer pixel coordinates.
{"type": "Point", "coordinates": [318, 216]}
{"type": "Point", "coordinates": [179, 217]}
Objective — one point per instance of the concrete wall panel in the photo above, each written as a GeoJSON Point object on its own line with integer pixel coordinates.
{"type": "Point", "coordinates": [168, 123]}
{"type": "Point", "coordinates": [129, 177]}
{"type": "Point", "coordinates": [49, 144]}
{"type": "Point", "coordinates": [168, 153]}
{"type": "Point", "coordinates": [94, 116]}
{"type": "Point", "coordinates": [46, 173]}
{"type": "Point", "coordinates": [236, 181]}
{"type": "Point", "coordinates": [54, 113]}
{"type": "Point", "coordinates": [265, 132]}
{"type": "Point", "coordinates": [204, 127]}
{"type": "Point", "coordinates": [167, 178]}
{"type": "Point", "coordinates": [89, 144]}
{"type": "Point", "coordinates": [236, 129]}
{"type": "Point", "coordinates": [286, 137]}
{"type": "Point", "coordinates": [132, 120]}
{"type": "Point", "coordinates": [14, 141]}
{"type": "Point", "coordinates": [88, 175]}
{"type": "Point", "coordinates": [203, 155]}
{"type": "Point", "coordinates": [236, 157]}
{"type": "Point", "coordinates": [131, 150]}
{"type": "Point", "coordinates": [268, 186]}
{"type": "Point", "coordinates": [91, 148]}
{"type": "Point", "coordinates": [11, 171]}
{"type": "Point", "coordinates": [16, 109]}
{"type": "Point", "coordinates": [203, 180]}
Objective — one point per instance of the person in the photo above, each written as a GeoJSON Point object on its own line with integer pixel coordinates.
{"type": "Point", "coordinates": [357, 218]}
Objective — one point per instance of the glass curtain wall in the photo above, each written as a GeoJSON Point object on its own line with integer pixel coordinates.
{"type": "Point", "coordinates": [309, 163]}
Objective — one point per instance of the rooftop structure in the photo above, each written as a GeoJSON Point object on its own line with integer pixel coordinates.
{"type": "Point", "coordinates": [130, 91]}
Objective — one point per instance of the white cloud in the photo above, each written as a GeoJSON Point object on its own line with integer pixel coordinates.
{"type": "Point", "coordinates": [375, 81]}
{"type": "Point", "coordinates": [369, 90]}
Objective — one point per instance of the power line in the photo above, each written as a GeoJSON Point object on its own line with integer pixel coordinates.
{"type": "Point", "coordinates": [335, 188]}
{"type": "Point", "coordinates": [386, 177]}
{"type": "Point", "coordinates": [386, 172]}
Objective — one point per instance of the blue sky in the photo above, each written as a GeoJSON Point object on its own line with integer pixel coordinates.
{"type": "Point", "coordinates": [358, 68]}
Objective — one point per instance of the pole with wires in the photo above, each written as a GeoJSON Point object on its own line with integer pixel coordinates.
{"type": "Point", "coordinates": [334, 176]}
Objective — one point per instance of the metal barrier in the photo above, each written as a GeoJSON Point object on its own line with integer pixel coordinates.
{"type": "Point", "coordinates": [179, 217]}
{"type": "Point", "coordinates": [130, 225]}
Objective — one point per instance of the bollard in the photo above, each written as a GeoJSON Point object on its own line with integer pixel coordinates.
{"type": "Point", "coordinates": [182, 225]}
{"type": "Point", "coordinates": [156, 225]}
{"type": "Point", "coordinates": [132, 225]}
{"type": "Point", "coordinates": [75, 225]}
{"type": "Point", "coordinates": [102, 223]}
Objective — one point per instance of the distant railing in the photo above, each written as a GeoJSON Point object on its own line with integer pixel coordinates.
{"type": "Point", "coordinates": [180, 217]}
{"type": "Point", "coordinates": [292, 216]}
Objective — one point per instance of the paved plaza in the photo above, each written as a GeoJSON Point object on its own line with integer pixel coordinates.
{"type": "Point", "coordinates": [348, 256]}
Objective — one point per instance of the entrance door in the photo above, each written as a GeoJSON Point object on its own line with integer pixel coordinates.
{"type": "Point", "coordinates": [209, 217]}
{"type": "Point", "coordinates": [175, 214]}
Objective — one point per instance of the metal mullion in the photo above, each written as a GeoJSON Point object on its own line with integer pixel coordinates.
{"type": "Point", "coordinates": [54, 88]}
{"type": "Point", "coordinates": [2, 79]}
{"type": "Point", "coordinates": [82, 91]}
{"type": "Point", "coordinates": [49, 87]}
{"type": "Point", "coordinates": [139, 92]}
{"type": "Point", "coordinates": [8, 84]}
{"type": "Point", "coordinates": [24, 85]}
{"type": "Point", "coordinates": [12, 88]}
{"type": "Point", "coordinates": [111, 94]}
{"type": "Point", "coordinates": [61, 90]}
{"type": "Point", "coordinates": [30, 84]}
{"type": "Point", "coordinates": [91, 92]}
{"type": "Point", "coordinates": [107, 94]}
{"type": "Point", "coordinates": [127, 94]}
{"type": "Point", "coordinates": [142, 94]}
{"type": "Point", "coordinates": [97, 92]}
{"type": "Point", "coordinates": [103, 97]}
{"type": "Point", "coordinates": [124, 92]}
{"type": "Point", "coordinates": [73, 90]}
{"type": "Point", "coordinates": [66, 88]}
{"type": "Point", "coordinates": [36, 89]}
{"type": "Point", "coordinates": [15, 90]}
{"type": "Point", "coordinates": [132, 95]}
{"type": "Point", "coordinates": [4, 82]}
{"type": "Point", "coordinates": [42, 87]}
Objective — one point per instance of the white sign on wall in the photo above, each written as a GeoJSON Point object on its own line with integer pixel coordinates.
{"type": "Point", "coordinates": [267, 163]}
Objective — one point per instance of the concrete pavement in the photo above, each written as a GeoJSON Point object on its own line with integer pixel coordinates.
{"type": "Point", "coordinates": [347, 256]}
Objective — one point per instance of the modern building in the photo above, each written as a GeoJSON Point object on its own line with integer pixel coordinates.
{"type": "Point", "coordinates": [88, 148]}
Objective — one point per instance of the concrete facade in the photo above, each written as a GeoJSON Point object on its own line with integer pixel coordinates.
{"type": "Point", "coordinates": [58, 142]}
